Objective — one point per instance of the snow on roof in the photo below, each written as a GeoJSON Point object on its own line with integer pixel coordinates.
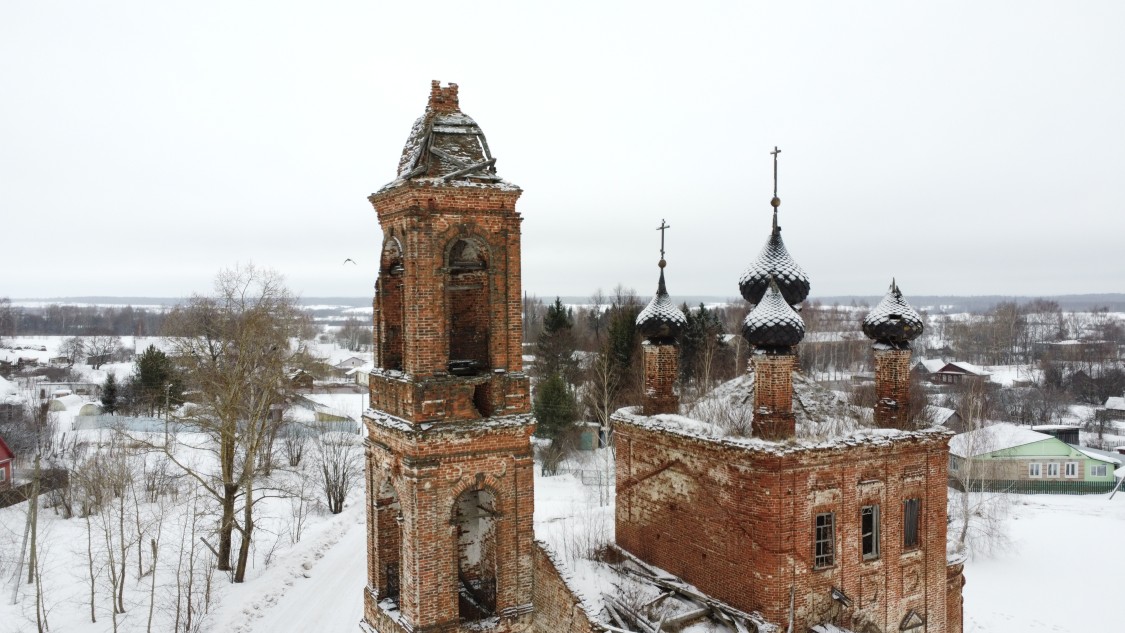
{"type": "Point", "coordinates": [939, 415]}
{"type": "Point", "coordinates": [931, 365]}
{"type": "Point", "coordinates": [9, 393]}
{"type": "Point", "coordinates": [969, 367]}
{"type": "Point", "coordinates": [994, 438]}
{"type": "Point", "coordinates": [1101, 456]}
{"type": "Point", "coordinates": [1115, 402]}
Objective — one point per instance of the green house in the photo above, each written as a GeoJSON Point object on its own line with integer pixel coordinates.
{"type": "Point", "coordinates": [1010, 458]}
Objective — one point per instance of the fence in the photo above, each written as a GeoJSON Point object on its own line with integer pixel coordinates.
{"type": "Point", "coordinates": [1036, 487]}
{"type": "Point", "coordinates": [49, 479]}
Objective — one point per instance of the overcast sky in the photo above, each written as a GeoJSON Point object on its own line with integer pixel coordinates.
{"type": "Point", "coordinates": [963, 147]}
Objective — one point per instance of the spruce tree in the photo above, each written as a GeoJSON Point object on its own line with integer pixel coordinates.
{"type": "Point", "coordinates": [556, 344]}
{"type": "Point", "coordinates": [109, 394]}
{"type": "Point", "coordinates": [555, 408]}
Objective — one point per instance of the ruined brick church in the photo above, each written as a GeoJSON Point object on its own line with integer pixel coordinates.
{"type": "Point", "coordinates": [776, 532]}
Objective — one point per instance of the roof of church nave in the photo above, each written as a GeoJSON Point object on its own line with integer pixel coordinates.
{"type": "Point", "coordinates": [447, 147]}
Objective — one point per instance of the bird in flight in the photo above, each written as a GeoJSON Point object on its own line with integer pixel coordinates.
{"type": "Point", "coordinates": [350, 260]}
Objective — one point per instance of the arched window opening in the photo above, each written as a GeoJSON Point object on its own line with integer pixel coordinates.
{"type": "Point", "coordinates": [476, 522]}
{"type": "Point", "coordinates": [390, 289]}
{"type": "Point", "coordinates": [388, 516]}
{"type": "Point", "coordinates": [468, 301]}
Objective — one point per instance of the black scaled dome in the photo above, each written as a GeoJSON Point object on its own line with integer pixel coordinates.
{"type": "Point", "coordinates": [774, 261]}
{"type": "Point", "coordinates": [773, 323]}
{"type": "Point", "coordinates": [893, 321]}
{"type": "Point", "coordinates": [661, 320]}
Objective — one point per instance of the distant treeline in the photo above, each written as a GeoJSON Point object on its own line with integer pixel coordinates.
{"type": "Point", "coordinates": [79, 320]}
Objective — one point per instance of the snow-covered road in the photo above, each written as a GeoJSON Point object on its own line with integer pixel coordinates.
{"type": "Point", "coordinates": [330, 599]}
{"type": "Point", "coordinates": [315, 586]}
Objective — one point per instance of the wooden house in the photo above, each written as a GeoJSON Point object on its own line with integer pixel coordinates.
{"type": "Point", "coordinates": [1009, 458]}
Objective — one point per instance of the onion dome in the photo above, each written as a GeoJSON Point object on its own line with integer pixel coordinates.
{"type": "Point", "coordinates": [773, 324]}
{"type": "Point", "coordinates": [774, 262]}
{"type": "Point", "coordinates": [661, 320]}
{"type": "Point", "coordinates": [893, 321]}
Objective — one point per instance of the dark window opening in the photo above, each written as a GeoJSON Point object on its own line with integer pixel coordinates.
{"type": "Point", "coordinates": [824, 554]}
{"type": "Point", "coordinates": [911, 518]}
{"type": "Point", "coordinates": [388, 544]}
{"type": "Point", "coordinates": [468, 305]}
{"type": "Point", "coordinates": [869, 531]}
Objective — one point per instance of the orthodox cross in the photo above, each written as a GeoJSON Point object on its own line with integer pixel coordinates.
{"type": "Point", "coordinates": [775, 152]}
{"type": "Point", "coordinates": [663, 227]}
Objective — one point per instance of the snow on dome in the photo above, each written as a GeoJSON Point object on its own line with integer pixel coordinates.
{"type": "Point", "coordinates": [773, 323]}
{"type": "Point", "coordinates": [774, 261]}
{"type": "Point", "coordinates": [661, 319]}
{"type": "Point", "coordinates": [893, 321]}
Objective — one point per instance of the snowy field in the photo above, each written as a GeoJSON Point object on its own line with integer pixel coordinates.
{"type": "Point", "coordinates": [1060, 570]}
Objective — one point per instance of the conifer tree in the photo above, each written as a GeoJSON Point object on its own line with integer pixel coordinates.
{"type": "Point", "coordinates": [556, 344]}
{"type": "Point", "coordinates": [555, 408]}
{"type": "Point", "coordinates": [109, 394]}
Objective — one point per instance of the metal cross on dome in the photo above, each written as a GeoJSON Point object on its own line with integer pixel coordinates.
{"type": "Point", "coordinates": [775, 152]}
{"type": "Point", "coordinates": [663, 227]}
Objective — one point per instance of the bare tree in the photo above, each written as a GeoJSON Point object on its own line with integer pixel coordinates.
{"type": "Point", "coordinates": [338, 459]}
{"type": "Point", "coordinates": [977, 513]}
{"type": "Point", "coordinates": [73, 349]}
{"type": "Point", "coordinates": [102, 349]}
{"type": "Point", "coordinates": [235, 350]}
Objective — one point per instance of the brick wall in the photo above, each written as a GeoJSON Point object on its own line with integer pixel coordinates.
{"type": "Point", "coordinates": [430, 470]}
{"type": "Point", "coordinates": [892, 388]}
{"type": "Point", "coordinates": [738, 521]}
{"type": "Point", "coordinates": [557, 609]}
{"type": "Point", "coordinates": [773, 395]}
{"type": "Point", "coordinates": [434, 298]}
{"type": "Point", "coordinates": [661, 369]}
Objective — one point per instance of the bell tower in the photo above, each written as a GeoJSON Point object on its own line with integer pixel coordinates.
{"type": "Point", "coordinates": [449, 458]}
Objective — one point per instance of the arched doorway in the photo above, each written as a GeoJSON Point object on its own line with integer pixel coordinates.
{"type": "Point", "coordinates": [476, 520]}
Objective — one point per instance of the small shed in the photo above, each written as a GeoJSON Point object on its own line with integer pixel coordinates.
{"type": "Point", "coordinates": [1065, 432]}
{"type": "Point", "coordinates": [6, 457]}
{"type": "Point", "coordinates": [1114, 409]}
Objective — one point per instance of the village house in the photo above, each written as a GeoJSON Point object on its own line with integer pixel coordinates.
{"type": "Point", "coordinates": [1010, 458]}
{"type": "Point", "coordinates": [779, 529]}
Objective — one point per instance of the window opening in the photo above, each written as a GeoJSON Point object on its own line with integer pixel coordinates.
{"type": "Point", "coordinates": [869, 531]}
{"type": "Point", "coordinates": [1052, 470]}
{"type": "Point", "coordinates": [1098, 470]}
{"type": "Point", "coordinates": [825, 548]}
{"type": "Point", "coordinates": [1035, 470]}
{"type": "Point", "coordinates": [911, 517]}
{"type": "Point", "coordinates": [1071, 469]}
{"type": "Point", "coordinates": [477, 561]}
{"type": "Point", "coordinates": [388, 515]}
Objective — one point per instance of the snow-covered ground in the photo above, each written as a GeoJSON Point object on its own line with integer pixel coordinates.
{"type": "Point", "coordinates": [1060, 570]}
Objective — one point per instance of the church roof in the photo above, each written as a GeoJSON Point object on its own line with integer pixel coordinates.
{"type": "Point", "coordinates": [661, 319]}
{"type": "Point", "coordinates": [446, 146]}
{"type": "Point", "coordinates": [893, 321]}
{"type": "Point", "coordinates": [773, 323]}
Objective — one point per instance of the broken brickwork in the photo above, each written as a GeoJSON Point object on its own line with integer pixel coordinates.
{"type": "Point", "coordinates": [661, 370]}
{"type": "Point", "coordinates": [773, 395]}
{"type": "Point", "coordinates": [738, 520]}
{"type": "Point", "coordinates": [892, 388]}
{"type": "Point", "coordinates": [448, 451]}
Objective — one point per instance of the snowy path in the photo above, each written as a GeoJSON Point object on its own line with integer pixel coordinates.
{"type": "Point", "coordinates": [317, 588]}
{"type": "Point", "coordinates": [331, 599]}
